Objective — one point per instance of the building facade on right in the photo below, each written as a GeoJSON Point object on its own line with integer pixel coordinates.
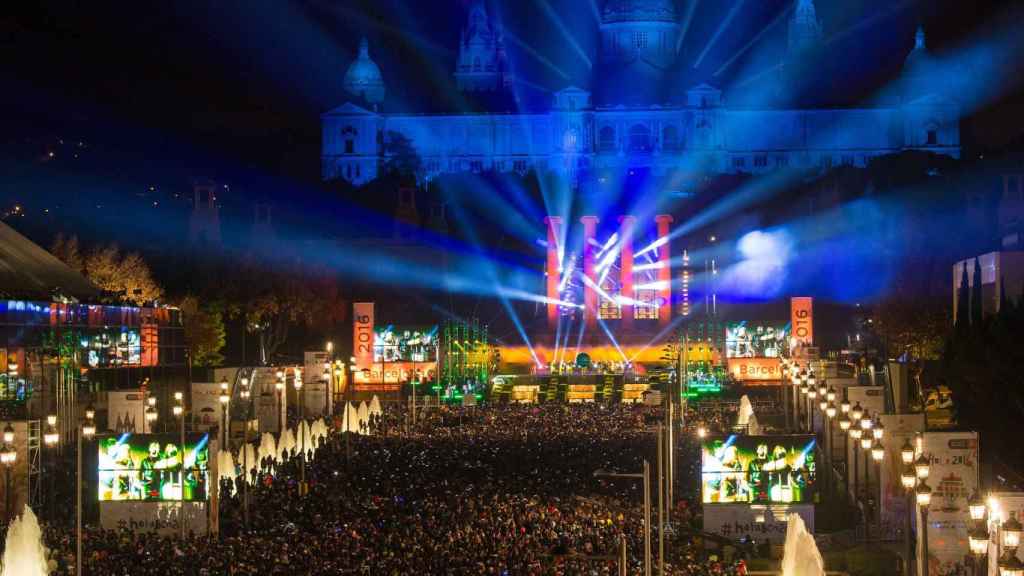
{"type": "Point", "coordinates": [1001, 279]}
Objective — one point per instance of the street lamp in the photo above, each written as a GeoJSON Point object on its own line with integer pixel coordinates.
{"type": "Point", "coordinates": [977, 536]}
{"type": "Point", "coordinates": [856, 412]}
{"type": "Point", "coordinates": [301, 398]}
{"type": "Point", "coordinates": [8, 457]}
{"type": "Point", "coordinates": [87, 430]}
{"type": "Point", "coordinates": [907, 453]}
{"type": "Point", "coordinates": [50, 439]}
{"type": "Point", "coordinates": [922, 466]}
{"type": "Point", "coordinates": [909, 480]}
{"type": "Point", "coordinates": [179, 412]}
{"type": "Point", "coordinates": [224, 399]}
{"type": "Point", "coordinates": [855, 435]}
{"type": "Point", "coordinates": [830, 395]}
{"type": "Point", "coordinates": [924, 498]}
{"type": "Point", "coordinates": [279, 387]}
{"type": "Point", "coordinates": [645, 476]}
{"type": "Point", "coordinates": [1009, 565]}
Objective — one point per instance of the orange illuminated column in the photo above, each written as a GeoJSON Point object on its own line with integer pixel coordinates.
{"type": "Point", "coordinates": [664, 270]}
{"type": "Point", "coordinates": [589, 294]}
{"type": "Point", "coordinates": [554, 224]}
{"type": "Point", "coordinates": [626, 269]}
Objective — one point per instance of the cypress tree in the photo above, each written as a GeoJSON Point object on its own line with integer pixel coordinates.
{"type": "Point", "coordinates": [976, 295]}
{"type": "Point", "coordinates": [960, 323]}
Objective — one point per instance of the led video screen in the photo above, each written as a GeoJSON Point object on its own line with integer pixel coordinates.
{"type": "Point", "coordinates": [758, 469]}
{"type": "Point", "coordinates": [405, 344]}
{"type": "Point", "coordinates": [148, 467]}
{"type": "Point", "coordinates": [753, 340]}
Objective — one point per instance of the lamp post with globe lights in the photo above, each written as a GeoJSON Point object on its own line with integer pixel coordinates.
{"type": "Point", "coordinates": [908, 478]}
{"type": "Point", "coordinates": [909, 481]}
{"type": "Point", "coordinates": [796, 380]}
{"type": "Point", "coordinates": [924, 499]}
{"type": "Point", "coordinates": [178, 410]}
{"type": "Point", "coordinates": [301, 399]}
{"type": "Point", "coordinates": [50, 439]}
{"type": "Point", "coordinates": [1009, 564]}
{"type": "Point", "coordinates": [977, 536]}
{"type": "Point", "coordinates": [279, 388]}
{"type": "Point", "coordinates": [865, 444]}
{"type": "Point", "coordinates": [8, 457]}
{"type": "Point", "coordinates": [784, 381]}
{"type": "Point", "coordinates": [86, 430]}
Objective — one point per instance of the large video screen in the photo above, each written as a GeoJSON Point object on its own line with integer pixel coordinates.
{"type": "Point", "coordinates": [393, 344]}
{"type": "Point", "coordinates": [754, 340]}
{"type": "Point", "coordinates": [758, 469]}
{"type": "Point", "coordinates": [134, 467]}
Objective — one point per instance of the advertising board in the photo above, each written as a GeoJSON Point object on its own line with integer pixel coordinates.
{"type": "Point", "coordinates": [755, 340]}
{"type": "Point", "coordinates": [758, 469]}
{"type": "Point", "coordinates": [148, 467]}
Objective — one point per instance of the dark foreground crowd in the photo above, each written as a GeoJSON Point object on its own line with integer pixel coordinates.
{"type": "Point", "coordinates": [492, 491]}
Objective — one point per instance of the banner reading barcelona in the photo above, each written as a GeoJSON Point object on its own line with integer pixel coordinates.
{"type": "Point", "coordinates": [758, 469]}
{"type": "Point", "coordinates": [148, 467]}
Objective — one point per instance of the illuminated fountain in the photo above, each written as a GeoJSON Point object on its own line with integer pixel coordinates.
{"type": "Point", "coordinates": [801, 556]}
{"type": "Point", "coordinates": [375, 406]}
{"type": "Point", "coordinates": [24, 554]}
{"type": "Point", "coordinates": [364, 415]}
{"type": "Point", "coordinates": [268, 447]}
{"type": "Point", "coordinates": [746, 419]}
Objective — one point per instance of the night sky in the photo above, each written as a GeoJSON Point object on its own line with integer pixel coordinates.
{"type": "Point", "coordinates": [245, 81]}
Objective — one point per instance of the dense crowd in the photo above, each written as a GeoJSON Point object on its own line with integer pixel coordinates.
{"type": "Point", "coordinates": [502, 490]}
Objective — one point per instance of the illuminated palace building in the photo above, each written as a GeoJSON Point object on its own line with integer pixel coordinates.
{"type": "Point", "coordinates": [638, 117]}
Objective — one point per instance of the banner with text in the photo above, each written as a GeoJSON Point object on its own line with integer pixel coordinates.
{"type": "Point", "coordinates": [760, 522]}
{"type": "Point", "coordinates": [754, 371]}
{"type": "Point", "coordinates": [802, 312]}
{"type": "Point", "coordinates": [953, 478]}
{"type": "Point", "coordinates": [362, 334]}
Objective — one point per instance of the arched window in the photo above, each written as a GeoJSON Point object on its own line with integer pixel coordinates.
{"type": "Point", "coordinates": [932, 136]}
{"type": "Point", "coordinates": [476, 64]}
{"type": "Point", "coordinates": [348, 134]}
{"type": "Point", "coordinates": [670, 138]}
{"type": "Point", "coordinates": [606, 138]}
{"type": "Point", "coordinates": [639, 138]}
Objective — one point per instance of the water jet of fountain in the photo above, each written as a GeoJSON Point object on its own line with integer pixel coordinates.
{"type": "Point", "coordinates": [801, 556]}
{"type": "Point", "coordinates": [745, 418]}
{"type": "Point", "coordinates": [24, 554]}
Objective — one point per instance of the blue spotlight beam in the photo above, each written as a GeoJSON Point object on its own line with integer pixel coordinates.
{"type": "Point", "coordinates": [557, 21]}
{"type": "Point", "coordinates": [754, 40]}
{"type": "Point", "coordinates": [721, 28]}
{"type": "Point", "coordinates": [687, 20]}
{"type": "Point", "coordinates": [535, 55]}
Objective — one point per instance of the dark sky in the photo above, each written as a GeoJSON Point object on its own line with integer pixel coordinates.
{"type": "Point", "coordinates": [209, 83]}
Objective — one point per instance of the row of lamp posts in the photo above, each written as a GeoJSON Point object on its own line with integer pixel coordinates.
{"type": "Point", "coordinates": [988, 525]}
{"type": "Point", "coordinates": [854, 422]}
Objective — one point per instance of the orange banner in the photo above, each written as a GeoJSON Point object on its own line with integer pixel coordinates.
{"type": "Point", "coordinates": [756, 370]}
{"type": "Point", "coordinates": [802, 311]}
{"type": "Point", "coordinates": [362, 334]}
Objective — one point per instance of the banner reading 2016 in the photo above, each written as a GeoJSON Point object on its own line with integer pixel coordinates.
{"type": "Point", "coordinates": [362, 334]}
{"type": "Point", "coordinates": [802, 311]}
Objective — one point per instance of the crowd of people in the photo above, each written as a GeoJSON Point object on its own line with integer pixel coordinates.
{"type": "Point", "coordinates": [502, 490]}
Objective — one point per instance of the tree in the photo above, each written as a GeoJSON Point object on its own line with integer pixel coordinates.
{"type": "Point", "coordinates": [204, 331]}
{"type": "Point", "coordinates": [66, 250]}
{"type": "Point", "coordinates": [915, 325]}
{"type": "Point", "coordinates": [981, 367]}
{"type": "Point", "coordinates": [126, 276]}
